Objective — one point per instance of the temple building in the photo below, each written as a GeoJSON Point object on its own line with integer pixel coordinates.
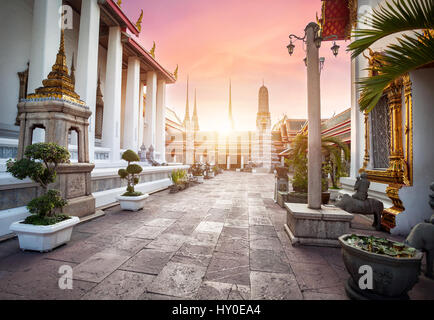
{"type": "Point", "coordinates": [393, 142]}
{"type": "Point", "coordinates": [233, 149]}
{"type": "Point", "coordinates": [107, 72]}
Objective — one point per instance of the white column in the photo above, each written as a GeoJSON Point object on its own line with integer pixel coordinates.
{"type": "Point", "coordinates": [141, 122]}
{"type": "Point", "coordinates": [150, 108]}
{"type": "Point", "coordinates": [132, 104]}
{"type": "Point", "coordinates": [161, 120]}
{"type": "Point", "coordinates": [87, 63]}
{"type": "Point", "coordinates": [45, 44]}
{"type": "Point", "coordinates": [113, 86]}
{"type": "Point", "coordinates": [228, 162]}
{"type": "Point", "coordinates": [314, 119]}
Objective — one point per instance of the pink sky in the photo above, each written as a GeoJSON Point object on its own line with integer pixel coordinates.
{"type": "Point", "coordinates": [244, 40]}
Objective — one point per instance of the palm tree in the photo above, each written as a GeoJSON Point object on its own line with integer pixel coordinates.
{"type": "Point", "coordinates": [409, 53]}
{"type": "Point", "coordinates": [332, 149]}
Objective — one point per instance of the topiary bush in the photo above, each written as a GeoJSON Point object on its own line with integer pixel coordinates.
{"type": "Point", "coordinates": [40, 163]}
{"type": "Point", "coordinates": [130, 173]}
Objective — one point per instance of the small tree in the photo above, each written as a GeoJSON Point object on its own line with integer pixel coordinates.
{"type": "Point", "coordinates": [40, 163]}
{"type": "Point", "coordinates": [130, 173]}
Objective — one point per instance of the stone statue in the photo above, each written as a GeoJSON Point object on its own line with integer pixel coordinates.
{"type": "Point", "coordinates": [422, 237]}
{"type": "Point", "coordinates": [150, 157]}
{"type": "Point", "coordinates": [142, 153]}
{"type": "Point", "coordinates": [360, 203]}
{"type": "Point", "coordinates": [361, 187]}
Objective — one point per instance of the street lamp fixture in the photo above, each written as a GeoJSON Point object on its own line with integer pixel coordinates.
{"type": "Point", "coordinates": [290, 48]}
{"type": "Point", "coordinates": [335, 49]}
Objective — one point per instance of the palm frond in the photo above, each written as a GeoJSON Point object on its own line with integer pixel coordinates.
{"type": "Point", "coordinates": [395, 16]}
{"type": "Point", "coordinates": [410, 53]}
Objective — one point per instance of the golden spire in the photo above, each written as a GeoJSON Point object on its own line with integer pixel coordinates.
{"type": "Point", "coordinates": [58, 84]}
{"type": "Point", "coordinates": [187, 111]}
{"type": "Point", "coordinates": [72, 75]}
{"type": "Point", "coordinates": [139, 22]}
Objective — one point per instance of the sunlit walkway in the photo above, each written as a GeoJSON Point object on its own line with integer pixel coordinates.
{"type": "Point", "coordinates": [223, 239]}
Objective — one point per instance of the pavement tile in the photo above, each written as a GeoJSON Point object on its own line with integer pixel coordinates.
{"type": "Point", "coordinates": [167, 242]}
{"type": "Point", "coordinates": [98, 267]}
{"type": "Point", "coordinates": [147, 232]}
{"type": "Point", "coordinates": [210, 290]}
{"type": "Point", "coordinates": [149, 261]}
{"type": "Point", "coordinates": [274, 286]}
{"type": "Point", "coordinates": [179, 280]}
{"type": "Point", "coordinates": [229, 268]}
{"type": "Point", "coordinates": [210, 226]}
{"type": "Point", "coordinates": [269, 261]}
{"type": "Point", "coordinates": [315, 276]}
{"type": "Point", "coordinates": [120, 285]}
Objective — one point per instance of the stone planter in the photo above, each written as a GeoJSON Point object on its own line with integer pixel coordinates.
{"type": "Point", "coordinates": [173, 188]}
{"type": "Point", "coordinates": [199, 179]}
{"type": "Point", "coordinates": [298, 197]}
{"type": "Point", "coordinates": [132, 203]}
{"type": "Point", "coordinates": [392, 277]}
{"type": "Point", "coordinates": [43, 238]}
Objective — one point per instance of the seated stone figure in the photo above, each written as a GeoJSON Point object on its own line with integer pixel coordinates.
{"type": "Point", "coordinates": [360, 203]}
{"type": "Point", "coordinates": [150, 157]}
{"type": "Point", "coordinates": [422, 237]}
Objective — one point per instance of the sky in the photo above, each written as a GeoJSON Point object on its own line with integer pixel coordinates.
{"type": "Point", "coordinates": [245, 41]}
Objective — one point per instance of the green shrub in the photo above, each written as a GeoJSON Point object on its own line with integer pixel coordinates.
{"type": "Point", "coordinates": [130, 173]}
{"type": "Point", "coordinates": [178, 176]}
{"type": "Point", "coordinates": [40, 163]}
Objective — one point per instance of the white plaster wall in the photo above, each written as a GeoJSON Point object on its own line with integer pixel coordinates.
{"type": "Point", "coordinates": [416, 198]}
{"type": "Point", "coordinates": [15, 37]}
{"type": "Point", "coordinates": [71, 41]}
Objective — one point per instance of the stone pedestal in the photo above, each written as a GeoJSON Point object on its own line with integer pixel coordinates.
{"type": "Point", "coordinates": [282, 197]}
{"type": "Point", "coordinates": [317, 227]}
{"type": "Point", "coordinates": [74, 183]}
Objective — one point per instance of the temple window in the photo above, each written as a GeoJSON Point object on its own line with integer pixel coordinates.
{"type": "Point", "coordinates": [380, 134]}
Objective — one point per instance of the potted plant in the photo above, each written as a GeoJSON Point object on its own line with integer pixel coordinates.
{"type": "Point", "coordinates": [131, 200]}
{"type": "Point", "coordinates": [179, 180]}
{"type": "Point", "coordinates": [197, 170]}
{"type": "Point", "coordinates": [46, 228]}
{"type": "Point", "coordinates": [395, 266]}
{"type": "Point", "coordinates": [332, 150]}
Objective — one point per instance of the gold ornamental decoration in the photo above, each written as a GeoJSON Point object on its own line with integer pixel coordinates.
{"type": "Point", "coordinates": [400, 171]}
{"type": "Point", "coordinates": [139, 22]}
{"type": "Point", "coordinates": [58, 85]}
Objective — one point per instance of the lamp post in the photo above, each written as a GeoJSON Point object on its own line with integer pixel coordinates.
{"type": "Point", "coordinates": [313, 43]}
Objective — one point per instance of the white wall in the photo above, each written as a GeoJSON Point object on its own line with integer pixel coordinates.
{"type": "Point", "coordinates": [416, 198]}
{"type": "Point", "coordinates": [15, 37]}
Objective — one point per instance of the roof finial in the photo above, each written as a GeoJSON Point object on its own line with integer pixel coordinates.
{"type": "Point", "coordinates": [139, 22]}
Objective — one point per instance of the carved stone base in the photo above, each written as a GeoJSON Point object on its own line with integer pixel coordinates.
{"type": "Point", "coordinates": [80, 207]}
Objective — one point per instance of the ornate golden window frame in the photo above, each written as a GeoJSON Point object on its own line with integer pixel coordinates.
{"type": "Point", "coordinates": [400, 171]}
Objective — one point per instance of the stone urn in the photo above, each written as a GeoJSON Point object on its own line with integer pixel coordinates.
{"type": "Point", "coordinates": [392, 277]}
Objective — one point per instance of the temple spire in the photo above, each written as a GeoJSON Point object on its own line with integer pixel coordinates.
{"type": "Point", "coordinates": [195, 118]}
{"type": "Point", "coordinates": [187, 112]}
{"type": "Point", "coordinates": [231, 119]}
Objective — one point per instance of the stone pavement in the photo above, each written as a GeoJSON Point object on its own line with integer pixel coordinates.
{"type": "Point", "coordinates": [223, 239]}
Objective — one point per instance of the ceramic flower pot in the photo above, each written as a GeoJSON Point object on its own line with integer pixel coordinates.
{"type": "Point", "coordinates": [132, 203]}
{"type": "Point", "coordinates": [43, 238]}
